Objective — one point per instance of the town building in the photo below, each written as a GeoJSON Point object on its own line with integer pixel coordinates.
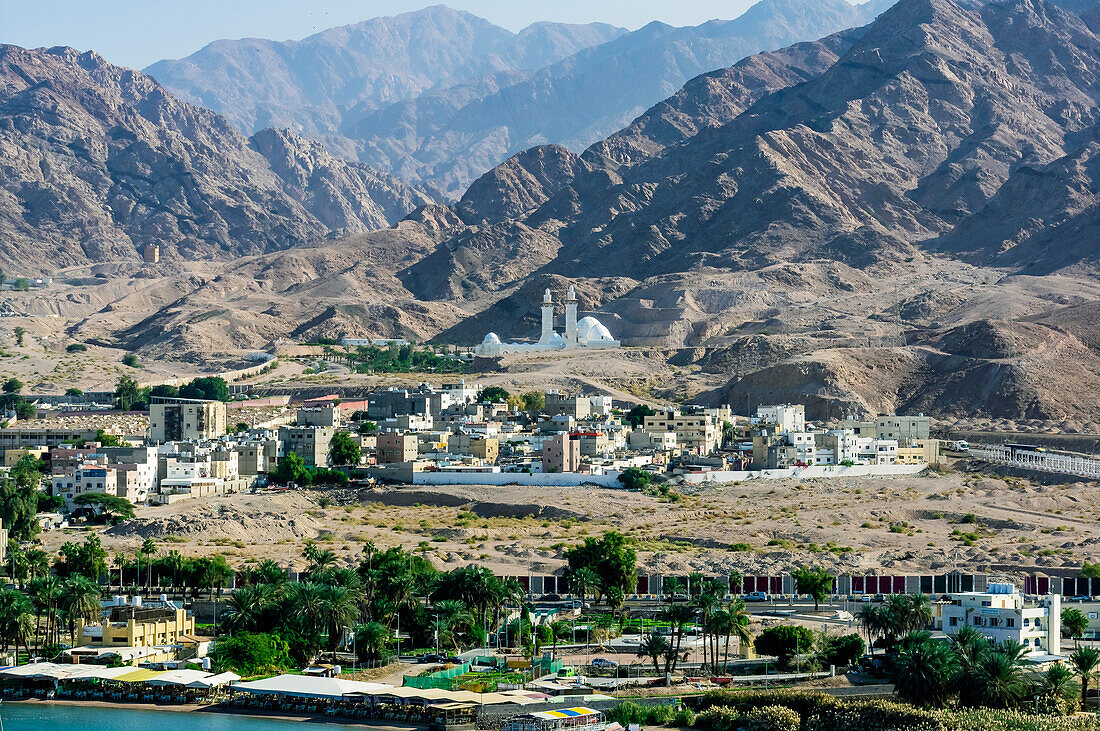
{"type": "Point", "coordinates": [698, 432]}
{"type": "Point", "coordinates": [1001, 613]}
{"type": "Point", "coordinates": [561, 453]}
{"type": "Point", "coordinates": [904, 429]}
{"type": "Point", "coordinates": [788, 417]}
{"type": "Point", "coordinates": [87, 478]}
{"type": "Point", "coordinates": [487, 449]}
{"type": "Point", "coordinates": [138, 624]}
{"type": "Point", "coordinates": [328, 414]}
{"type": "Point", "coordinates": [311, 443]}
{"type": "Point", "coordinates": [17, 437]}
{"type": "Point", "coordinates": [585, 333]}
{"type": "Point", "coordinates": [179, 419]}
{"type": "Point", "coordinates": [395, 448]}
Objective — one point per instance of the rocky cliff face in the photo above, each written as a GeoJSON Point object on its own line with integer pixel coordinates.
{"type": "Point", "coordinates": [96, 161]}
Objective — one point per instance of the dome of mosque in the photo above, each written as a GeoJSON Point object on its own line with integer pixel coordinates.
{"type": "Point", "coordinates": [584, 326]}
{"type": "Point", "coordinates": [491, 339]}
{"type": "Point", "coordinates": [556, 341]}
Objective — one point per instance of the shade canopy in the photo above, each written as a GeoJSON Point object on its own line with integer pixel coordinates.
{"type": "Point", "coordinates": [304, 686]}
{"type": "Point", "coordinates": [214, 681]}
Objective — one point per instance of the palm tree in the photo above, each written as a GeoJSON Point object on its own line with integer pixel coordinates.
{"type": "Point", "coordinates": [654, 647]}
{"type": "Point", "coordinates": [1085, 660]}
{"type": "Point", "coordinates": [120, 563]}
{"type": "Point", "coordinates": [339, 609]}
{"type": "Point", "coordinates": [925, 672]}
{"type": "Point", "coordinates": [453, 620]}
{"type": "Point", "coordinates": [1000, 680]}
{"type": "Point", "coordinates": [559, 629]}
{"type": "Point", "coordinates": [583, 582]}
{"type": "Point", "coordinates": [1074, 623]}
{"type": "Point", "coordinates": [706, 602]}
{"type": "Point", "coordinates": [269, 572]}
{"type": "Point", "coordinates": [677, 615]}
{"type": "Point", "coordinates": [305, 604]}
{"type": "Point", "coordinates": [148, 550]}
{"type": "Point", "coordinates": [736, 624]}
{"type": "Point", "coordinates": [80, 598]}
{"type": "Point", "coordinates": [16, 620]}
{"type": "Point", "coordinates": [372, 640]}
{"type": "Point", "coordinates": [38, 563]}
{"type": "Point", "coordinates": [248, 607]}
{"type": "Point", "coordinates": [1057, 689]}
{"type": "Point", "coordinates": [870, 619]}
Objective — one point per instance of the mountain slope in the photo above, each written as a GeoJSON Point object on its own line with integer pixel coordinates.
{"type": "Point", "coordinates": [96, 161]}
{"type": "Point", "coordinates": [449, 138]}
{"type": "Point", "coordinates": [312, 85]}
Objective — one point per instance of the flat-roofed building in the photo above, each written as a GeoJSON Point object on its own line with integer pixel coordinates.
{"type": "Point", "coordinates": [179, 419]}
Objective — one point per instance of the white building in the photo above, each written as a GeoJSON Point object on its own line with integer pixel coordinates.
{"type": "Point", "coordinates": [1001, 614]}
{"type": "Point", "coordinates": [788, 417]}
{"type": "Point", "coordinates": [86, 478]}
{"type": "Point", "coordinates": [586, 333]}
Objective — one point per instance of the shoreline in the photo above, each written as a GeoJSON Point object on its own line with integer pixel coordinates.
{"type": "Point", "coordinates": [215, 709]}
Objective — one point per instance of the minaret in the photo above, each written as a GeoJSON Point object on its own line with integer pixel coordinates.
{"type": "Point", "coordinates": [547, 318]}
{"type": "Point", "coordinates": [571, 318]}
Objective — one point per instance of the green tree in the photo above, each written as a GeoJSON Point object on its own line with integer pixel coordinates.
{"type": "Point", "coordinates": [493, 395]}
{"type": "Point", "coordinates": [842, 651]}
{"type": "Point", "coordinates": [1090, 570]}
{"type": "Point", "coordinates": [22, 284]}
{"type": "Point", "coordinates": [817, 582]}
{"type": "Point", "coordinates": [109, 440]}
{"type": "Point", "coordinates": [785, 641]}
{"type": "Point", "coordinates": [76, 348]}
{"type": "Point", "coordinates": [147, 551]}
{"type": "Point", "coordinates": [533, 401]}
{"type": "Point", "coordinates": [636, 416]}
{"type": "Point", "coordinates": [73, 392]}
{"type": "Point", "coordinates": [611, 558]}
{"type": "Point", "coordinates": [634, 478]}
{"type": "Point", "coordinates": [128, 395]}
{"type": "Point", "coordinates": [87, 559]}
{"type": "Point", "coordinates": [372, 642]}
{"type": "Point", "coordinates": [1058, 692]}
{"type": "Point", "coordinates": [677, 616]}
{"type": "Point", "coordinates": [13, 385]}
{"type": "Point", "coordinates": [367, 427]}
{"type": "Point", "coordinates": [210, 388]}
{"type": "Point", "coordinates": [291, 468]}
{"type": "Point", "coordinates": [19, 493]}
{"type": "Point", "coordinates": [164, 391]}
{"type": "Point", "coordinates": [79, 599]}
{"type": "Point", "coordinates": [1001, 680]}
{"type": "Point", "coordinates": [343, 450]}
{"type": "Point", "coordinates": [19, 333]}
{"type": "Point", "coordinates": [112, 507]}
{"type": "Point", "coordinates": [1074, 623]}
{"type": "Point", "coordinates": [925, 671]}
{"type": "Point", "coordinates": [131, 360]}
{"type": "Point", "coordinates": [250, 654]}
{"type": "Point", "coordinates": [17, 621]}
{"type": "Point", "coordinates": [1085, 661]}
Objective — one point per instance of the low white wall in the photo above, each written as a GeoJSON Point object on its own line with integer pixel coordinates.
{"type": "Point", "coordinates": [546, 479]}
{"type": "Point", "coordinates": [805, 473]}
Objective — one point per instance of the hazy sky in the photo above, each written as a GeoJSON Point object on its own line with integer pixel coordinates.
{"type": "Point", "coordinates": [138, 32]}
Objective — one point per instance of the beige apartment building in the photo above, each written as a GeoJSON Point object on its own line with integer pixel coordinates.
{"type": "Point", "coordinates": [179, 419]}
{"type": "Point", "coordinates": [395, 448]}
{"type": "Point", "coordinates": [486, 449]}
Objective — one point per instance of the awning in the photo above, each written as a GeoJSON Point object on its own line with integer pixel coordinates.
{"type": "Point", "coordinates": [41, 670]}
{"type": "Point", "coordinates": [140, 676]}
{"type": "Point", "coordinates": [179, 677]}
{"type": "Point", "coordinates": [303, 686]}
{"type": "Point", "coordinates": [214, 681]}
{"type": "Point", "coordinates": [564, 713]}
{"type": "Point", "coordinates": [99, 672]}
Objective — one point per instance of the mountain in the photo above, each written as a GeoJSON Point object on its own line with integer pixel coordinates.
{"type": "Point", "coordinates": [439, 97]}
{"type": "Point", "coordinates": [321, 83]}
{"type": "Point", "coordinates": [98, 161]}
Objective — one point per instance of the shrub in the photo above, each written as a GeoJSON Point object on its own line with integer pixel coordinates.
{"type": "Point", "coordinates": [771, 718]}
{"type": "Point", "coordinates": [718, 718]}
{"type": "Point", "coordinates": [75, 348]}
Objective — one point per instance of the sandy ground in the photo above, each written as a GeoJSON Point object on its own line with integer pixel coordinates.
{"type": "Point", "coordinates": [898, 524]}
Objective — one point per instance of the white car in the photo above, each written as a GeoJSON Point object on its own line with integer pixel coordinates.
{"type": "Point", "coordinates": [603, 662]}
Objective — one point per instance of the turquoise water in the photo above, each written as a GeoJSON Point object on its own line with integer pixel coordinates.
{"type": "Point", "coordinates": [20, 717]}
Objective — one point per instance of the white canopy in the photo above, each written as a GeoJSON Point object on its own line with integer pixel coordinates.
{"type": "Point", "coordinates": [304, 686]}
{"type": "Point", "coordinates": [41, 670]}
{"type": "Point", "coordinates": [99, 672]}
{"type": "Point", "coordinates": [180, 677]}
{"type": "Point", "coordinates": [214, 681]}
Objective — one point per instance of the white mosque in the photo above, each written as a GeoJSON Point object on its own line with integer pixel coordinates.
{"type": "Point", "coordinates": [588, 333]}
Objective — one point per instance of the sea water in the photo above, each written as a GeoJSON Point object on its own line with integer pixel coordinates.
{"type": "Point", "coordinates": [34, 717]}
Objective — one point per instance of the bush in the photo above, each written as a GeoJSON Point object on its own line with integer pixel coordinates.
{"type": "Point", "coordinates": [75, 348]}
{"type": "Point", "coordinates": [629, 712]}
{"type": "Point", "coordinates": [843, 651]}
{"type": "Point", "coordinates": [772, 718]}
{"type": "Point", "coordinates": [784, 641]}
{"type": "Point", "coordinates": [718, 718]}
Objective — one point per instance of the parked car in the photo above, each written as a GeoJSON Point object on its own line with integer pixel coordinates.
{"type": "Point", "coordinates": [430, 658]}
{"type": "Point", "coordinates": [603, 662]}
{"type": "Point", "coordinates": [550, 598]}
{"type": "Point", "coordinates": [866, 598]}
{"type": "Point", "coordinates": [757, 596]}
{"type": "Point", "coordinates": [454, 660]}
{"type": "Point", "coordinates": [1080, 598]}
{"type": "Point", "coordinates": [880, 597]}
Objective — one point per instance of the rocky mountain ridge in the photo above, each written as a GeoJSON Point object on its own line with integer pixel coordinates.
{"type": "Point", "coordinates": [446, 109]}
{"type": "Point", "coordinates": [99, 161]}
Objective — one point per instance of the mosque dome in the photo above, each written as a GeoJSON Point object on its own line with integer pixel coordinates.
{"type": "Point", "coordinates": [591, 330]}
{"type": "Point", "coordinates": [584, 326]}
{"type": "Point", "coordinates": [556, 341]}
{"type": "Point", "coordinates": [491, 339]}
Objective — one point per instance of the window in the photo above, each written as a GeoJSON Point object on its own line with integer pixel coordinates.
{"type": "Point", "coordinates": [954, 621]}
{"type": "Point", "coordinates": [1010, 622]}
{"type": "Point", "coordinates": [977, 621]}
{"type": "Point", "coordinates": [1026, 621]}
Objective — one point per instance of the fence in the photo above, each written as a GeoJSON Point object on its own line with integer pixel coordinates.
{"type": "Point", "coordinates": [442, 679]}
{"type": "Point", "coordinates": [1043, 461]}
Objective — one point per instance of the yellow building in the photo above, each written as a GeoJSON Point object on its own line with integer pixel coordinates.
{"type": "Point", "coordinates": [910, 455]}
{"type": "Point", "coordinates": [136, 626]}
{"type": "Point", "coordinates": [12, 456]}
